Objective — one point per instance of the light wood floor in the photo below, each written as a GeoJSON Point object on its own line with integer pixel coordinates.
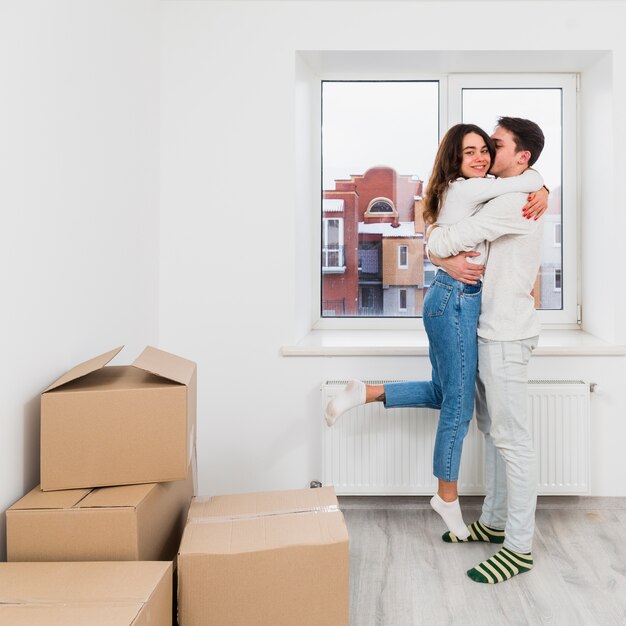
{"type": "Point", "coordinates": [402, 574]}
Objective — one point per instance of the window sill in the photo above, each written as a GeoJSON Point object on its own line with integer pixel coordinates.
{"type": "Point", "coordinates": [415, 343]}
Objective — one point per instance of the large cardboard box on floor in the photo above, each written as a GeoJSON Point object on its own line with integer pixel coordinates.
{"type": "Point", "coordinates": [131, 523]}
{"type": "Point", "coordinates": [119, 425]}
{"type": "Point", "coordinates": [278, 558]}
{"type": "Point", "coordinates": [137, 593]}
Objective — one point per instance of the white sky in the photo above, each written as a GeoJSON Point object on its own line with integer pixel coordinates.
{"type": "Point", "coordinates": [358, 131]}
{"type": "Point", "coordinates": [396, 124]}
{"type": "Point", "coordinates": [543, 106]}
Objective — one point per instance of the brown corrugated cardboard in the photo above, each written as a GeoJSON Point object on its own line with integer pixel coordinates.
{"type": "Point", "coordinates": [277, 558]}
{"type": "Point", "coordinates": [131, 523]}
{"type": "Point", "coordinates": [126, 593]}
{"type": "Point", "coordinates": [119, 425]}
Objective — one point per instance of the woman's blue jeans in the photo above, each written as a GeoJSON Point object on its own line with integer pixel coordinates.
{"type": "Point", "coordinates": [450, 312]}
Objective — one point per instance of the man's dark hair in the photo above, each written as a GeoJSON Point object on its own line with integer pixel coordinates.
{"type": "Point", "coordinates": [527, 136]}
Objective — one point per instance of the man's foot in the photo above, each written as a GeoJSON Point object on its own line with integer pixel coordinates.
{"type": "Point", "coordinates": [351, 396]}
{"type": "Point", "coordinates": [451, 515]}
{"type": "Point", "coordinates": [477, 532]}
{"type": "Point", "coordinates": [501, 566]}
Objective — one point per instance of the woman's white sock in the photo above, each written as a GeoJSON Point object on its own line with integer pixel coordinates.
{"type": "Point", "coordinates": [351, 396]}
{"type": "Point", "coordinates": [451, 515]}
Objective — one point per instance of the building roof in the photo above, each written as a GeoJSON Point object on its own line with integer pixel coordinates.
{"type": "Point", "coordinates": [332, 205]}
{"type": "Point", "coordinates": [406, 229]}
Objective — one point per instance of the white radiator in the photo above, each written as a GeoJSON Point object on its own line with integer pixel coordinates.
{"type": "Point", "coordinates": [376, 451]}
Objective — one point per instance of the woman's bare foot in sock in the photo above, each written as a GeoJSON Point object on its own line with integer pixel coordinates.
{"type": "Point", "coordinates": [353, 395]}
{"type": "Point", "coordinates": [451, 515]}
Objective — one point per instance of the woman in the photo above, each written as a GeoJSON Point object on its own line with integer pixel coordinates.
{"type": "Point", "coordinates": [457, 188]}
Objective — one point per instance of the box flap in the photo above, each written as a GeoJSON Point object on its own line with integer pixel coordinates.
{"type": "Point", "coordinates": [115, 497]}
{"type": "Point", "coordinates": [38, 500]}
{"type": "Point", "coordinates": [264, 503]}
{"type": "Point", "coordinates": [57, 583]}
{"type": "Point", "coordinates": [84, 368]}
{"type": "Point", "coordinates": [166, 365]}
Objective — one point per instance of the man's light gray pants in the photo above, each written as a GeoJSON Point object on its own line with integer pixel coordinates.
{"type": "Point", "coordinates": [502, 416]}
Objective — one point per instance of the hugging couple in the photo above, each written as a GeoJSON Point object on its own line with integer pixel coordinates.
{"type": "Point", "coordinates": [479, 314]}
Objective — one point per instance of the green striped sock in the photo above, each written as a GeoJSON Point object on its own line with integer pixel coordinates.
{"type": "Point", "coordinates": [477, 532]}
{"type": "Point", "coordinates": [501, 566]}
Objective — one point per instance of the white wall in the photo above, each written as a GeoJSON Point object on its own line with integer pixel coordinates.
{"type": "Point", "coordinates": [601, 207]}
{"type": "Point", "coordinates": [79, 137]}
{"type": "Point", "coordinates": [237, 199]}
{"type": "Point", "coordinates": [85, 117]}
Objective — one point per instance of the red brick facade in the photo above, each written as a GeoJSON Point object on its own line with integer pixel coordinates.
{"type": "Point", "coordinates": [340, 289]}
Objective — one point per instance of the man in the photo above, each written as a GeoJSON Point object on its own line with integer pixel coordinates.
{"type": "Point", "coordinates": [508, 331]}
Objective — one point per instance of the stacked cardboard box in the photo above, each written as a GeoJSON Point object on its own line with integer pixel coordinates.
{"type": "Point", "coordinates": [129, 523]}
{"type": "Point", "coordinates": [132, 427]}
{"type": "Point", "coordinates": [119, 425]}
{"type": "Point", "coordinates": [117, 461]}
{"type": "Point", "coordinates": [117, 478]}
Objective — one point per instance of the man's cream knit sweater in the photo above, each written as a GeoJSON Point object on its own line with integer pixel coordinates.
{"type": "Point", "coordinates": [512, 261]}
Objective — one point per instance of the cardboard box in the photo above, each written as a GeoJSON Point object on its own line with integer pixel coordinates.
{"type": "Point", "coordinates": [131, 523]}
{"type": "Point", "coordinates": [119, 425]}
{"type": "Point", "coordinates": [278, 558]}
{"type": "Point", "coordinates": [136, 593]}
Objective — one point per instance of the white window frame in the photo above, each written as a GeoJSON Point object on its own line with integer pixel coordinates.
{"type": "Point", "coordinates": [450, 86]}
{"type": "Point", "coordinates": [570, 269]}
{"type": "Point", "coordinates": [403, 266]}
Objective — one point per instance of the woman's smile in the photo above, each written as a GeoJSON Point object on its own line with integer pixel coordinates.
{"type": "Point", "coordinates": [475, 156]}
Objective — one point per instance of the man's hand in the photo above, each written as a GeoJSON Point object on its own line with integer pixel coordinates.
{"type": "Point", "coordinates": [459, 268]}
{"type": "Point", "coordinates": [537, 204]}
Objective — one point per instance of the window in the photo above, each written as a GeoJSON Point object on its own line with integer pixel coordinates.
{"type": "Point", "coordinates": [379, 139]}
{"type": "Point", "coordinates": [380, 205]}
{"type": "Point", "coordinates": [429, 276]}
{"type": "Point", "coordinates": [332, 246]}
{"type": "Point", "coordinates": [557, 234]}
{"type": "Point", "coordinates": [378, 142]}
{"type": "Point", "coordinates": [549, 100]}
{"type": "Point", "coordinates": [370, 302]}
{"type": "Point", "coordinates": [557, 279]}
{"type": "Point", "coordinates": [402, 296]}
{"type": "Point", "coordinates": [403, 257]}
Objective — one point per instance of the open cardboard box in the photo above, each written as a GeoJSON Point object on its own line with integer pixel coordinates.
{"type": "Point", "coordinates": [278, 558]}
{"type": "Point", "coordinates": [119, 425]}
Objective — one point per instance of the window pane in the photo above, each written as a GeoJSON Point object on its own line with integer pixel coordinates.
{"type": "Point", "coordinates": [332, 246]}
{"type": "Point", "coordinates": [379, 139]}
{"type": "Point", "coordinates": [403, 299]}
{"type": "Point", "coordinates": [543, 106]}
{"type": "Point", "coordinates": [333, 232]}
{"type": "Point", "coordinates": [403, 261]}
